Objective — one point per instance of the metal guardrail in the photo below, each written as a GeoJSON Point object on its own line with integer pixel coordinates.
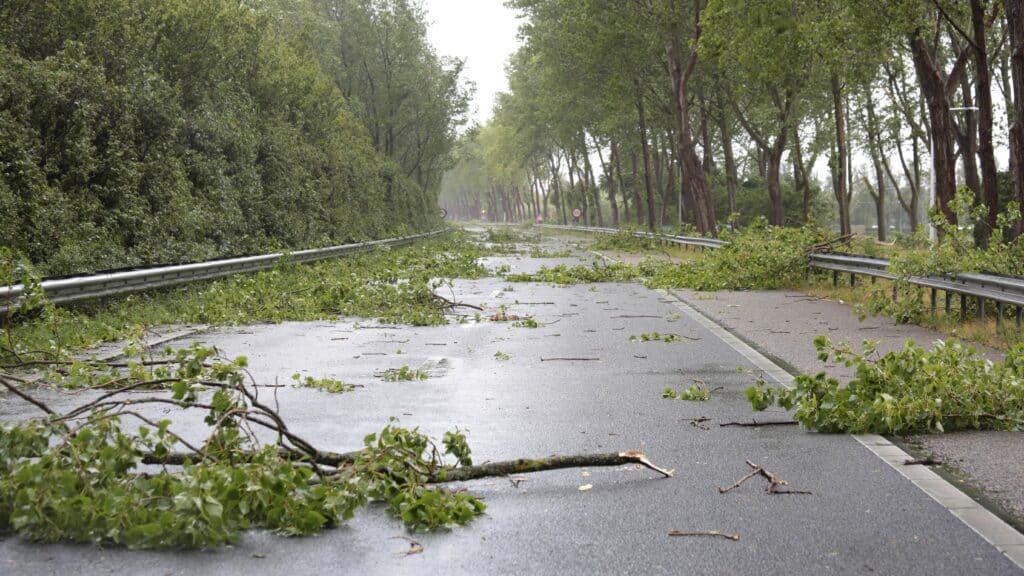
{"type": "Point", "coordinates": [67, 290]}
{"type": "Point", "coordinates": [1003, 290]}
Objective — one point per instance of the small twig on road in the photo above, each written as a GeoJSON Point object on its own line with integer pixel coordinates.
{"type": "Point", "coordinates": [699, 422]}
{"type": "Point", "coordinates": [570, 359]}
{"type": "Point", "coordinates": [773, 481]}
{"type": "Point", "coordinates": [733, 537]}
{"type": "Point", "coordinates": [414, 546]}
{"type": "Point", "coordinates": [451, 304]}
{"type": "Point", "coordinates": [756, 424]}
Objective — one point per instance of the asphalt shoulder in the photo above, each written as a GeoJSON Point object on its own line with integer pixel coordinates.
{"type": "Point", "coordinates": [782, 325]}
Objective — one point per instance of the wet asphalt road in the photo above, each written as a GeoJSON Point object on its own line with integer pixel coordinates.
{"type": "Point", "coordinates": [861, 518]}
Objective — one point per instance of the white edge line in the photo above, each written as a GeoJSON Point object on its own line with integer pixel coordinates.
{"type": "Point", "coordinates": [993, 529]}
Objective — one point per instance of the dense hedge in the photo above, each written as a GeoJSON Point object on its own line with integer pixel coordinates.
{"type": "Point", "coordinates": [143, 131]}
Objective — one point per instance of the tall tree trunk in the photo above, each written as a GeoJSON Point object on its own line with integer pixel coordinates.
{"type": "Point", "coordinates": [777, 215]}
{"type": "Point", "coordinates": [645, 147]}
{"type": "Point", "coordinates": [1015, 24]}
{"type": "Point", "coordinates": [616, 162]}
{"type": "Point", "coordinates": [986, 152]}
{"type": "Point", "coordinates": [690, 165]}
{"type": "Point", "coordinates": [874, 134]}
{"type": "Point", "coordinates": [935, 86]}
{"type": "Point", "coordinates": [800, 178]}
{"type": "Point", "coordinates": [731, 180]}
{"type": "Point", "coordinates": [595, 191]}
{"type": "Point", "coordinates": [841, 191]}
{"type": "Point", "coordinates": [571, 195]}
{"type": "Point", "coordinates": [657, 164]}
{"type": "Point", "coordinates": [637, 201]}
{"type": "Point", "coordinates": [606, 171]}
{"type": "Point", "coordinates": [556, 181]}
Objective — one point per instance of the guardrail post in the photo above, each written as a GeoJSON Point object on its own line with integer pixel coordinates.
{"type": "Point", "coordinates": [949, 301]}
{"type": "Point", "coordinates": [999, 314]}
{"type": "Point", "coordinates": [1020, 316]}
{"type": "Point", "coordinates": [835, 278]}
{"type": "Point", "coordinates": [935, 297]}
{"type": "Point", "coordinates": [853, 280]}
{"type": "Point", "coordinates": [981, 308]}
{"type": "Point", "coordinates": [963, 308]}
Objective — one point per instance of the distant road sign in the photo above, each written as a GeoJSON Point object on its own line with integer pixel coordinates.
{"type": "Point", "coordinates": [444, 213]}
{"type": "Point", "coordinates": [576, 212]}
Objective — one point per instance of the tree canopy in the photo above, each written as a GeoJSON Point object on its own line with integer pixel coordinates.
{"type": "Point", "coordinates": [145, 131]}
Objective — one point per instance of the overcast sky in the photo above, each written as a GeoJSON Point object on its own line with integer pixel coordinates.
{"type": "Point", "coordinates": [483, 32]}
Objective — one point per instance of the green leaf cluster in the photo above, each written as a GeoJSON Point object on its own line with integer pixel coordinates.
{"type": "Point", "coordinates": [909, 391]}
{"type": "Point", "coordinates": [654, 337]}
{"type": "Point", "coordinates": [565, 275]}
{"type": "Point", "coordinates": [695, 393]}
{"type": "Point", "coordinates": [331, 385]}
{"type": "Point", "coordinates": [404, 374]}
{"type": "Point", "coordinates": [762, 257]}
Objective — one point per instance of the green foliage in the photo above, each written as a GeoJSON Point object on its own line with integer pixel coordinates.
{"type": "Point", "coordinates": [695, 393]}
{"type": "Point", "coordinates": [542, 253]}
{"type": "Point", "coordinates": [762, 257]}
{"type": "Point", "coordinates": [503, 356]}
{"type": "Point", "coordinates": [526, 323]}
{"type": "Point", "coordinates": [562, 274]}
{"type": "Point", "coordinates": [949, 387]}
{"type": "Point", "coordinates": [502, 235]}
{"type": "Point", "coordinates": [622, 241]}
{"type": "Point", "coordinates": [75, 477]}
{"type": "Point", "coordinates": [655, 337]}
{"type": "Point", "coordinates": [157, 132]}
{"type": "Point", "coordinates": [404, 374]}
{"type": "Point", "coordinates": [332, 385]}
{"type": "Point", "coordinates": [954, 254]}
{"type": "Point", "coordinates": [395, 286]}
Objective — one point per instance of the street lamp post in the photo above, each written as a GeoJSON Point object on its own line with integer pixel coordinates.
{"type": "Point", "coordinates": [933, 232]}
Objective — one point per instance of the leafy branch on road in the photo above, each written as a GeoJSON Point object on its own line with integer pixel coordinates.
{"type": "Point", "coordinates": [908, 391]}
{"type": "Point", "coordinates": [396, 286]}
{"type": "Point", "coordinates": [108, 471]}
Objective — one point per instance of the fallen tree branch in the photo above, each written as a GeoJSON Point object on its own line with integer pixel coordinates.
{"type": "Point", "coordinates": [522, 466]}
{"type": "Point", "coordinates": [462, 474]}
{"type": "Point", "coordinates": [451, 304]}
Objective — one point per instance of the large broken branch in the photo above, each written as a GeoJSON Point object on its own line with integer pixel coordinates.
{"type": "Point", "coordinates": [523, 465]}
{"type": "Point", "coordinates": [461, 474]}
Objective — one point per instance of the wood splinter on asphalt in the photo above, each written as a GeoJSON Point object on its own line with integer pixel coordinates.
{"type": "Point", "coordinates": [733, 537]}
{"type": "Point", "coordinates": [773, 482]}
{"type": "Point", "coordinates": [756, 424]}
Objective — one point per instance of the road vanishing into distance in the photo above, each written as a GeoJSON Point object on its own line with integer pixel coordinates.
{"type": "Point", "coordinates": [576, 384]}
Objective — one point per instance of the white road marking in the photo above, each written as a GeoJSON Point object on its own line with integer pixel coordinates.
{"type": "Point", "coordinates": [993, 529]}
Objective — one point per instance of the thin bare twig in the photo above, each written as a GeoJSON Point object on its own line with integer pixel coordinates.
{"type": "Point", "coordinates": [733, 537]}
